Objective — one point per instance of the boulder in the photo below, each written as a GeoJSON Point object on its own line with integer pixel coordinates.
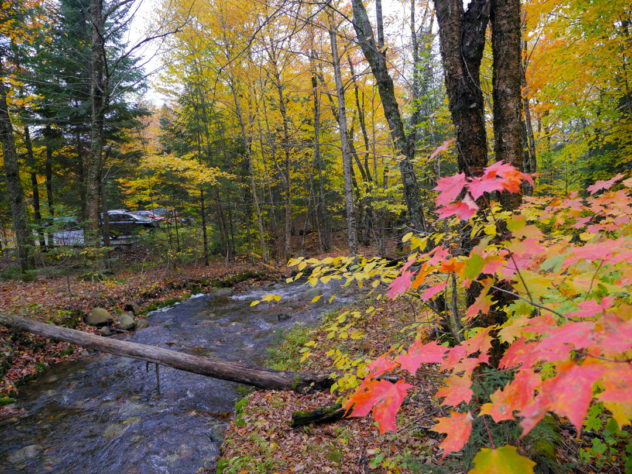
{"type": "Point", "coordinates": [99, 317]}
{"type": "Point", "coordinates": [133, 307]}
{"type": "Point", "coordinates": [126, 321]}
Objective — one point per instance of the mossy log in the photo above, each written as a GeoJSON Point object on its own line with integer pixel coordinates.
{"type": "Point", "coordinates": [327, 414]}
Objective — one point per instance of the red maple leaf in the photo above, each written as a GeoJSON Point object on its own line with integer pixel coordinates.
{"type": "Point", "coordinates": [383, 397]}
{"type": "Point", "coordinates": [400, 284]}
{"type": "Point", "coordinates": [419, 354]}
{"type": "Point", "coordinates": [449, 188]}
{"type": "Point", "coordinates": [441, 148]}
{"type": "Point", "coordinates": [567, 394]}
{"type": "Point", "coordinates": [462, 209]}
{"type": "Point", "coordinates": [458, 427]}
{"type": "Point", "coordinates": [515, 396]}
{"type": "Point", "coordinates": [603, 184]}
{"type": "Point", "coordinates": [433, 290]}
{"type": "Point", "coordinates": [591, 307]}
{"type": "Point", "coordinates": [381, 365]}
{"type": "Point", "coordinates": [456, 391]}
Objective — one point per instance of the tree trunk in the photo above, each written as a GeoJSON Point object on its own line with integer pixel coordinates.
{"type": "Point", "coordinates": [98, 104]}
{"type": "Point", "coordinates": [462, 38]}
{"type": "Point", "coordinates": [34, 187]}
{"type": "Point", "coordinates": [204, 236]}
{"type": "Point", "coordinates": [225, 370]}
{"type": "Point", "coordinates": [377, 60]}
{"type": "Point", "coordinates": [23, 235]}
{"type": "Point", "coordinates": [507, 91]}
{"type": "Point", "coordinates": [352, 234]}
{"type": "Point", "coordinates": [49, 170]}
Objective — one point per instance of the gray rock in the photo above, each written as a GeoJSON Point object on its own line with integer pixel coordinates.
{"type": "Point", "coordinates": [99, 317]}
{"type": "Point", "coordinates": [27, 452]}
{"type": "Point", "coordinates": [126, 321]}
{"type": "Point", "coordinates": [105, 331]}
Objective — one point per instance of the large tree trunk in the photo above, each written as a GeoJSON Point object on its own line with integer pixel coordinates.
{"type": "Point", "coordinates": [98, 102]}
{"type": "Point", "coordinates": [23, 235]}
{"type": "Point", "coordinates": [352, 234]}
{"type": "Point", "coordinates": [507, 92]}
{"type": "Point", "coordinates": [225, 370]}
{"type": "Point", "coordinates": [462, 38]}
{"type": "Point", "coordinates": [376, 58]}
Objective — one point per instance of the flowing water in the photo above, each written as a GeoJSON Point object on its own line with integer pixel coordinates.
{"type": "Point", "coordinates": [104, 413]}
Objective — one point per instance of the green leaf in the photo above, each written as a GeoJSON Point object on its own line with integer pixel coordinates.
{"type": "Point", "coordinates": [473, 266]}
{"type": "Point", "coordinates": [501, 460]}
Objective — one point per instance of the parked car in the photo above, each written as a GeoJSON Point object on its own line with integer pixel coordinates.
{"type": "Point", "coordinates": [66, 231]}
{"type": "Point", "coordinates": [123, 223]}
{"type": "Point", "coordinates": [171, 215]}
{"type": "Point", "coordinates": [148, 215]}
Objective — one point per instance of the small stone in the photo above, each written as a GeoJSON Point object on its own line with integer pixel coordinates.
{"type": "Point", "coordinates": [142, 323]}
{"type": "Point", "coordinates": [114, 430]}
{"type": "Point", "coordinates": [105, 331]}
{"type": "Point", "coordinates": [126, 321]}
{"type": "Point", "coordinates": [283, 317]}
{"type": "Point", "coordinates": [99, 317]}
{"type": "Point", "coordinates": [25, 453]}
{"type": "Point", "coordinates": [223, 292]}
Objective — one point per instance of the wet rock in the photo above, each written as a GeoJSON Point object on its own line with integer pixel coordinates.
{"type": "Point", "coordinates": [312, 293]}
{"type": "Point", "coordinates": [99, 317]}
{"type": "Point", "coordinates": [126, 321]}
{"type": "Point", "coordinates": [223, 292]}
{"type": "Point", "coordinates": [114, 430]}
{"type": "Point", "coordinates": [105, 331]}
{"type": "Point", "coordinates": [283, 316]}
{"type": "Point", "coordinates": [27, 452]}
{"type": "Point", "coordinates": [132, 307]}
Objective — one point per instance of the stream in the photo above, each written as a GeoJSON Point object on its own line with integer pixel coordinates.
{"type": "Point", "coordinates": [104, 413]}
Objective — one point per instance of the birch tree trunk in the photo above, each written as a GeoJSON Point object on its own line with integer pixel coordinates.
{"type": "Point", "coordinates": [352, 233]}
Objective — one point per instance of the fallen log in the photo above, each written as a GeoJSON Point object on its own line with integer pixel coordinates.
{"type": "Point", "coordinates": [327, 414]}
{"type": "Point", "coordinates": [235, 372]}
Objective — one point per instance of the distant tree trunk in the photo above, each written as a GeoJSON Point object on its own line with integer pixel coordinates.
{"type": "Point", "coordinates": [507, 91]}
{"type": "Point", "coordinates": [352, 233]}
{"type": "Point", "coordinates": [204, 236]}
{"type": "Point", "coordinates": [48, 170]}
{"type": "Point", "coordinates": [98, 103]}
{"type": "Point", "coordinates": [34, 187]}
{"type": "Point", "coordinates": [462, 38]}
{"type": "Point", "coordinates": [105, 228]}
{"type": "Point", "coordinates": [323, 227]}
{"type": "Point", "coordinates": [528, 143]}
{"type": "Point", "coordinates": [23, 235]}
{"type": "Point", "coordinates": [376, 58]}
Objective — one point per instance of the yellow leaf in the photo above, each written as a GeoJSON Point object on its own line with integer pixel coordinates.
{"type": "Point", "coordinates": [255, 303]}
{"type": "Point", "coordinates": [407, 237]}
{"type": "Point", "coordinates": [316, 298]}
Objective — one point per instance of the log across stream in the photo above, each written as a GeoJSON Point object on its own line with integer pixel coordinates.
{"type": "Point", "coordinates": [107, 413]}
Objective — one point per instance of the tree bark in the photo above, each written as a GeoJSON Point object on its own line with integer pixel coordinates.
{"type": "Point", "coordinates": [225, 370]}
{"type": "Point", "coordinates": [352, 233]}
{"type": "Point", "coordinates": [23, 235]}
{"type": "Point", "coordinates": [34, 187]}
{"type": "Point", "coordinates": [98, 105]}
{"type": "Point", "coordinates": [507, 91]}
{"type": "Point", "coordinates": [462, 38]}
{"type": "Point", "coordinates": [376, 57]}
